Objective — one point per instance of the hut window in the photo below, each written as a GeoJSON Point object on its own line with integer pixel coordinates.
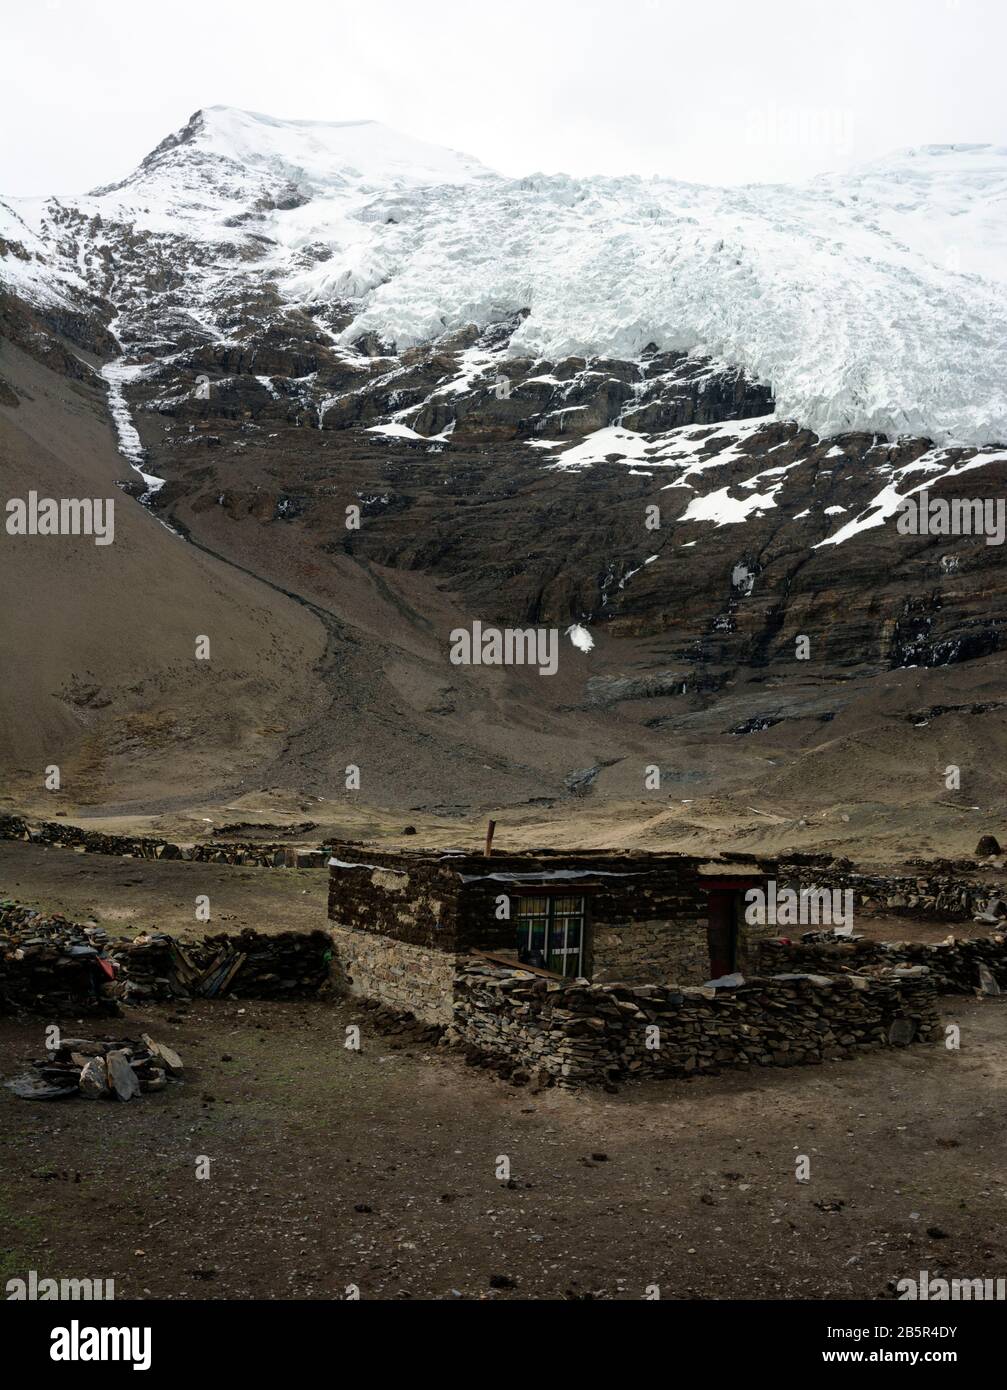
{"type": "Point", "coordinates": [550, 933]}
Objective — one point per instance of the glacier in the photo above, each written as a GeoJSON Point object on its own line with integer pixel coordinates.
{"type": "Point", "coordinates": [873, 300]}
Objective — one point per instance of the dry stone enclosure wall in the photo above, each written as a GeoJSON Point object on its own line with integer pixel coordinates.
{"type": "Point", "coordinates": [274, 856]}
{"type": "Point", "coordinates": [929, 895]}
{"type": "Point", "coordinates": [583, 1033]}
{"type": "Point", "coordinates": [953, 965]}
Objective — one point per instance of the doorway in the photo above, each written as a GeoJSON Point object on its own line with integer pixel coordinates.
{"type": "Point", "coordinates": [722, 932]}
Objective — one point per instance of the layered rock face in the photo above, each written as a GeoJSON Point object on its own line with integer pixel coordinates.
{"type": "Point", "coordinates": [738, 575]}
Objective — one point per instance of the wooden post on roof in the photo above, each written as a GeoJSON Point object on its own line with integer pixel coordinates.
{"type": "Point", "coordinates": [489, 837]}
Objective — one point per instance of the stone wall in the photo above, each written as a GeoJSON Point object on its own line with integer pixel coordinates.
{"type": "Point", "coordinates": [953, 965]}
{"type": "Point", "coordinates": [51, 965]}
{"type": "Point", "coordinates": [246, 964]}
{"type": "Point", "coordinates": [583, 1033]}
{"type": "Point", "coordinates": [672, 947]}
{"type": "Point", "coordinates": [931, 896]}
{"type": "Point", "coordinates": [376, 896]}
{"type": "Point", "coordinates": [649, 951]}
{"type": "Point", "coordinates": [413, 979]}
{"type": "Point", "coordinates": [274, 856]}
{"type": "Point", "coordinates": [48, 966]}
{"type": "Point", "coordinates": [646, 915]}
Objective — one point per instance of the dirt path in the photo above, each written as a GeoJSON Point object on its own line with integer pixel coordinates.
{"type": "Point", "coordinates": [378, 1168]}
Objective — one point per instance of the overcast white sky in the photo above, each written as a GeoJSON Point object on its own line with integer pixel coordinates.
{"type": "Point", "coordinates": [717, 91]}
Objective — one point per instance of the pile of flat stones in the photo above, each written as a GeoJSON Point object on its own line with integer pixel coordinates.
{"type": "Point", "coordinates": [112, 1070]}
{"type": "Point", "coordinates": [154, 966]}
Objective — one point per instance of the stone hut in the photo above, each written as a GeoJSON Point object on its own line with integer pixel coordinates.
{"type": "Point", "coordinates": [404, 924]}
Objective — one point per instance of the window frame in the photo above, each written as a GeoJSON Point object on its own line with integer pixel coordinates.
{"type": "Point", "coordinates": [555, 924]}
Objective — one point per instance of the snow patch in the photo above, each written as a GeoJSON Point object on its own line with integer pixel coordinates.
{"type": "Point", "coordinates": [116, 374]}
{"type": "Point", "coordinates": [580, 637]}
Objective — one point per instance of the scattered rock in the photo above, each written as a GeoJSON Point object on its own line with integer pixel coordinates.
{"type": "Point", "coordinates": [119, 1070]}
{"type": "Point", "coordinates": [170, 1058]}
{"type": "Point", "coordinates": [987, 984]}
{"type": "Point", "coordinates": [94, 1078]}
{"type": "Point", "coordinates": [121, 1076]}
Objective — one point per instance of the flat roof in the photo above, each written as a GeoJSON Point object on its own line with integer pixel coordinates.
{"type": "Point", "coordinates": [536, 864]}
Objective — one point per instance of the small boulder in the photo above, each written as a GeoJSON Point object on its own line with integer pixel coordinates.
{"type": "Point", "coordinates": [170, 1059]}
{"type": "Point", "coordinates": [93, 1081]}
{"type": "Point", "coordinates": [121, 1076]}
{"type": "Point", "coordinates": [987, 984]}
{"type": "Point", "coordinates": [902, 1031]}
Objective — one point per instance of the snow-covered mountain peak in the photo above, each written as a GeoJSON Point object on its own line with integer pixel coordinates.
{"type": "Point", "coordinates": [869, 300]}
{"type": "Point", "coordinates": [314, 156]}
{"type": "Point", "coordinates": [965, 156]}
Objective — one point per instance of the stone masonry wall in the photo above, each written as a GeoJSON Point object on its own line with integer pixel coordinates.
{"type": "Point", "coordinates": [274, 856]}
{"type": "Point", "coordinates": [668, 948]}
{"type": "Point", "coordinates": [579, 1032]}
{"type": "Point", "coordinates": [953, 965]}
{"type": "Point", "coordinates": [647, 926]}
{"type": "Point", "coordinates": [929, 896]}
{"type": "Point", "coordinates": [413, 979]}
{"type": "Point", "coordinates": [649, 952]}
{"type": "Point", "coordinates": [417, 905]}
{"type": "Point", "coordinates": [645, 922]}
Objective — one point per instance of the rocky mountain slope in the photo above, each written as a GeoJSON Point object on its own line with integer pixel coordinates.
{"type": "Point", "coordinates": [676, 419]}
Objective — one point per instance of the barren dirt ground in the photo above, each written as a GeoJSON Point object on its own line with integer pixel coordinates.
{"type": "Point", "coordinates": [377, 1168]}
{"type": "Point", "coordinates": [127, 896]}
